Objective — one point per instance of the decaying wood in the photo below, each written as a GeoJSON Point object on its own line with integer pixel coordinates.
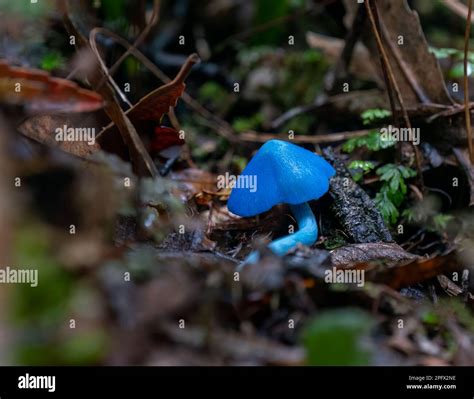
{"type": "Point", "coordinates": [354, 209]}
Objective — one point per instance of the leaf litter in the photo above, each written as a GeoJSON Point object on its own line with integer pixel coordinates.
{"type": "Point", "coordinates": [156, 250]}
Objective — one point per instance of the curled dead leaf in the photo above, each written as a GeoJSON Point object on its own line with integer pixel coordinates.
{"type": "Point", "coordinates": [37, 91]}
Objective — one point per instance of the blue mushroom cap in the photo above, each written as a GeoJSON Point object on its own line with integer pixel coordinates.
{"type": "Point", "coordinates": [283, 173]}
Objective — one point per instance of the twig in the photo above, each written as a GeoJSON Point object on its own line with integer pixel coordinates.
{"type": "Point", "coordinates": [463, 159]}
{"type": "Point", "coordinates": [270, 24]}
{"type": "Point", "coordinates": [141, 160]}
{"type": "Point", "coordinates": [334, 73]}
{"type": "Point", "coordinates": [323, 138]}
{"type": "Point", "coordinates": [466, 83]}
{"type": "Point", "coordinates": [215, 123]}
{"type": "Point", "coordinates": [153, 21]}
{"type": "Point", "coordinates": [93, 44]}
{"type": "Point", "coordinates": [450, 111]}
{"type": "Point", "coordinates": [389, 78]}
{"type": "Point", "coordinates": [406, 72]}
{"type": "Point", "coordinates": [293, 113]}
{"type": "Point", "coordinates": [458, 8]}
{"type": "Point", "coordinates": [371, 11]}
{"type": "Point", "coordinates": [345, 57]}
{"type": "Point", "coordinates": [465, 284]}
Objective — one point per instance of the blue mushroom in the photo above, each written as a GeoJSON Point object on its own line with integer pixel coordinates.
{"type": "Point", "coordinates": [282, 173]}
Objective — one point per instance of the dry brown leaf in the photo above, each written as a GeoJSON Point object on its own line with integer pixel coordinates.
{"type": "Point", "coordinates": [37, 91]}
{"type": "Point", "coordinates": [193, 181]}
{"type": "Point", "coordinates": [157, 103]}
{"type": "Point", "coordinates": [142, 163]}
{"type": "Point", "coordinates": [332, 48]}
{"type": "Point", "coordinates": [416, 69]}
{"type": "Point", "coordinates": [411, 272]}
{"type": "Point", "coordinates": [42, 128]}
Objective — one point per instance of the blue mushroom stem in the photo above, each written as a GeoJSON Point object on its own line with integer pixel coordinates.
{"type": "Point", "coordinates": [306, 235]}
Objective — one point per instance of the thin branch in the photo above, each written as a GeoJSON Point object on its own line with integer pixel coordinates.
{"type": "Point", "coordinates": [141, 160]}
{"type": "Point", "coordinates": [153, 21]}
{"type": "Point", "coordinates": [371, 11]}
{"type": "Point", "coordinates": [406, 72]}
{"type": "Point", "coordinates": [93, 44]}
{"type": "Point", "coordinates": [466, 83]}
{"type": "Point", "coordinates": [340, 68]}
{"type": "Point", "coordinates": [458, 8]}
{"type": "Point", "coordinates": [342, 65]}
{"type": "Point", "coordinates": [389, 79]}
{"type": "Point", "coordinates": [316, 139]}
{"type": "Point", "coordinates": [217, 124]}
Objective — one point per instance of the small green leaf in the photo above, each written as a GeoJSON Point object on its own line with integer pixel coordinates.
{"type": "Point", "coordinates": [52, 61]}
{"type": "Point", "coordinates": [388, 210]}
{"type": "Point", "coordinates": [440, 222]}
{"type": "Point", "coordinates": [360, 168]}
{"type": "Point", "coordinates": [366, 166]}
{"type": "Point", "coordinates": [372, 141]}
{"type": "Point", "coordinates": [373, 115]}
{"type": "Point", "coordinates": [407, 173]}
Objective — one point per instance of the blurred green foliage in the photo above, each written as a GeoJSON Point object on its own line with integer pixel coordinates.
{"type": "Point", "coordinates": [41, 314]}
{"type": "Point", "coordinates": [335, 338]}
{"type": "Point", "coordinates": [434, 222]}
{"type": "Point", "coordinates": [46, 304]}
{"type": "Point", "coordinates": [213, 94]}
{"type": "Point", "coordinates": [25, 8]}
{"type": "Point", "coordinates": [113, 9]}
{"type": "Point", "coordinates": [457, 57]}
{"type": "Point", "coordinates": [243, 124]}
{"type": "Point", "coordinates": [51, 61]}
{"type": "Point", "coordinates": [83, 348]}
{"type": "Point", "coordinates": [268, 10]}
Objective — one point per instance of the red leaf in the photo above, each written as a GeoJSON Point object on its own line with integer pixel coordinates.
{"type": "Point", "coordinates": [164, 138]}
{"type": "Point", "coordinates": [37, 91]}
